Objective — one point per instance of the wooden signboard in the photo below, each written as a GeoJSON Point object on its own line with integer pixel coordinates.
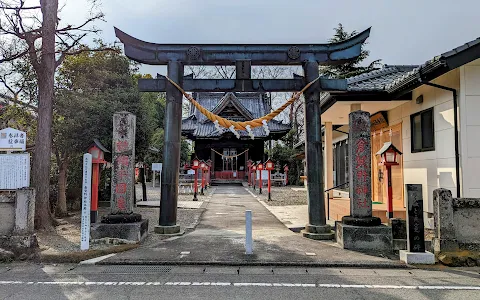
{"type": "Point", "coordinates": [378, 121]}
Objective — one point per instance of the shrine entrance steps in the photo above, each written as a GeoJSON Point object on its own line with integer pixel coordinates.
{"type": "Point", "coordinates": [220, 236]}
{"type": "Point", "coordinates": [226, 182]}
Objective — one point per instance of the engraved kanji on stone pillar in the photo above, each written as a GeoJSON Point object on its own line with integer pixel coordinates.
{"type": "Point", "coordinates": [123, 159]}
{"type": "Point", "coordinates": [359, 156]}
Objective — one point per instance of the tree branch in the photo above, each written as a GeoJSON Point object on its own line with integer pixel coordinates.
{"type": "Point", "coordinates": [16, 101]}
{"type": "Point", "coordinates": [14, 57]}
{"type": "Point", "coordinates": [79, 27]}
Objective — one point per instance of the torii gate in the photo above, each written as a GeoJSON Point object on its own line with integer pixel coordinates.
{"type": "Point", "coordinates": [176, 56]}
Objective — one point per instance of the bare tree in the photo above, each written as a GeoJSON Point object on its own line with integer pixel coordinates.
{"type": "Point", "coordinates": [36, 32]}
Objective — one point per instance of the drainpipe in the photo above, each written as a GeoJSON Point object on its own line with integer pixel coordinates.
{"type": "Point", "coordinates": [455, 121]}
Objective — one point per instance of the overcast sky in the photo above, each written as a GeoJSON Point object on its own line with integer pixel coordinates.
{"type": "Point", "coordinates": [403, 31]}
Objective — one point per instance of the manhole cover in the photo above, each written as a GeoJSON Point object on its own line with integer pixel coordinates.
{"type": "Point", "coordinates": [137, 269]}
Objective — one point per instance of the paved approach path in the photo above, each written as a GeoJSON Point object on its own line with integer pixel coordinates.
{"type": "Point", "coordinates": [220, 236]}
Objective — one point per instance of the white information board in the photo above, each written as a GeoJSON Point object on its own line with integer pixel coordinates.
{"type": "Point", "coordinates": [264, 175]}
{"type": "Point", "coordinates": [14, 171]}
{"type": "Point", "coordinates": [191, 172]}
{"type": "Point", "coordinates": [12, 140]}
{"type": "Point", "coordinates": [86, 198]}
{"type": "Point", "coordinates": [157, 167]}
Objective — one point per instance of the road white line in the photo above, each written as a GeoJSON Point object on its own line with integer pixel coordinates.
{"type": "Point", "coordinates": [242, 284]}
{"type": "Point", "coordinates": [96, 259]}
{"type": "Point", "coordinates": [254, 196]}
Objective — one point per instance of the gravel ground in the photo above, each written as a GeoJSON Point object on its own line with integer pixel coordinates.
{"type": "Point", "coordinates": [282, 196]}
{"type": "Point", "coordinates": [66, 237]}
{"type": "Point", "coordinates": [153, 193]}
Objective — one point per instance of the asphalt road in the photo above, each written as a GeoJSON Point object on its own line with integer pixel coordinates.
{"type": "Point", "coordinates": [199, 282]}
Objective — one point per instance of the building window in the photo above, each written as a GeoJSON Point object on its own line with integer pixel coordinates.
{"type": "Point", "coordinates": [423, 133]}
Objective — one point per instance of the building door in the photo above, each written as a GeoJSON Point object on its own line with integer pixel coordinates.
{"type": "Point", "coordinates": [341, 163]}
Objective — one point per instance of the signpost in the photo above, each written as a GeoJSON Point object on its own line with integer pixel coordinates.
{"type": "Point", "coordinates": [86, 197]}
{"type": "Point", "coordinates": [14, 168]}
{"type": "Point", "coordinates": [157, 167]}
{"type": "Point", "coordinates": [14, 171]}
{"type": "Point", "coordinates": [12, 140]}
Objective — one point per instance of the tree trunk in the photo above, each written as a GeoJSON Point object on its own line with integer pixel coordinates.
{"type": "Point", "coordinates": [43, 142]}
{"type": "Point", "coordinates": [61, 207]}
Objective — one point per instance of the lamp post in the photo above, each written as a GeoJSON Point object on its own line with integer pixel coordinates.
{"type": "Point", "coordinates": [205, 174]}
{"type": "Point", "coordinates": [209, 172]}
{"type": "Point", "coordinates": [260, 168]}
{"type": "Point", "coordinates": [97, 150]}
{"type": "Point", "coordinates": [269, 166]}
{"type": "Point", "coordinates": [285, 169]}
{"type": "Point", "coordinates": [195, 166]}
{"type": "Point", "coordinates": [254, 172]}
{"type": "Point", "coordinates": [202, 168]}
{"type": "Point", "coordinates": [389, 157]}
{"type": "Point", "coordinates": [249, 166]}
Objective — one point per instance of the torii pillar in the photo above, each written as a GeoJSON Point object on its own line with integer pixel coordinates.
{"type": "Point", "coordinates": [171, 153]}
{"type": "Point", "coordinates": [316, 228]}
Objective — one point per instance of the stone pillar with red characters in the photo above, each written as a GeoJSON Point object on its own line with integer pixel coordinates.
{"type": "Point", "coordinates": [123, 163]}
{"type": "Point", "coordinates": [122, 222]}
{"type": "Point", "coordinates": [360, 230]}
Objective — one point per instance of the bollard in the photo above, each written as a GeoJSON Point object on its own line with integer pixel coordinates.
{"type": "Point", "coordinates": [248, 233]}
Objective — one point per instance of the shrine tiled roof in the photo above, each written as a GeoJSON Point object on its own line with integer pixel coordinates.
{"type": "Point", "coordinates": [378, 80]}
{"type": "Point", "coordinates": [250, 105]}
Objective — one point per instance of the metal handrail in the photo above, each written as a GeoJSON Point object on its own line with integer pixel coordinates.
{"type": "Point", "coordinates": [328, 196]}
{"type": "Point", "coordinates": [337, 186]}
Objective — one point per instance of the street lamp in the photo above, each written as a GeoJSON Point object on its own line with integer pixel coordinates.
{"type": "Point", "coordinates": [209, 176]}
{"type": "Point", "coordinates": [260, 168]}
{"type": "Point", "coordinates": [269, 166]}
{"type": "Point", "coordinates": [202, 168]}
{"type": "Point", "coordinates": [195, 166]}
{"type": "Point", "coordinates": [389, 157]}
{"type": "Point", "coordinates": [254, 171]}
{"type": "Point", "coordinates": [249, 166]}
{"type": "Point", "coordinates": [205, 183]}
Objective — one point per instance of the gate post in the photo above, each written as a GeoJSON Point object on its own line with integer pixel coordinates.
{"type": "Point", "coordinates": [171, 153]}
{"type": "Point", "coordinates": [316, 227]}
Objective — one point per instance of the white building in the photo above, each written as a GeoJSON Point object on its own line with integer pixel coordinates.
{"type": "Point", "coordinates": [414, 107]}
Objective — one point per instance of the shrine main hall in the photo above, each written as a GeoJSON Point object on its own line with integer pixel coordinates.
{"type": "Point", "coordinates": [229, 154]}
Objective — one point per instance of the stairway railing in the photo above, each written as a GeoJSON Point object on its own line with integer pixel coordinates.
{"type": "Point", "coordinates": [328, 196]}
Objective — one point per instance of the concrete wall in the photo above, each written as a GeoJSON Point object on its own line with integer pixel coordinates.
{"type": "Point", "coordinates": [469, 116]}
{"type": "Point", "coordinates": [457, 222]}
{"type": "Point", "coordinates": [7, 213]}
{"type": "Point", "coordinates": [432, 169]}
{"type": "Point", "coordinates": [17, 209]}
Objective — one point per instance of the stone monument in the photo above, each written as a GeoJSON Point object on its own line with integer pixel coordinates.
{"type": "Point", "coordinates": [122, 222]}
{"type": "Point", "coordinates": [17, 199]}
{"type": "Point", "coordinates": [361, 231]}
{"type": "Point", "coordinates": [415, 253]}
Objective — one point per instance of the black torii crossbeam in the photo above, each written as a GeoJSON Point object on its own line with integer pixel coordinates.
{"type": "Point", "coordinates": [242, 56]}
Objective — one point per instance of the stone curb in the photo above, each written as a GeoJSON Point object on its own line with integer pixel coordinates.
{"type": "Point", "coordinates": [335, 264]}
{"type": "Point", "coordinates": [78, 256]}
